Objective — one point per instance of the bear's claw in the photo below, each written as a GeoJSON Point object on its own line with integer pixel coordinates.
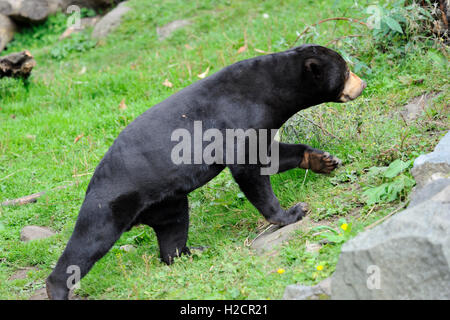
{"type": "Point", "coordinates": [319, 161]}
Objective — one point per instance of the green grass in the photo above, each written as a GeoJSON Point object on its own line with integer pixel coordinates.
{"type": "Point", "coordinates": [77, 90]}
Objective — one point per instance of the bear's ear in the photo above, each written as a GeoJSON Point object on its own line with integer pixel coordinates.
{"type": "Point", "coordinates": [313, 65]}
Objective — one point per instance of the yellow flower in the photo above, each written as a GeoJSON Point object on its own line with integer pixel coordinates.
{"type": "Point", "coordinates": [319, 267]}
{"type": "Point", "coordinates": [280, 271]}
{"type": "Point", "coordinates": [344, 226]}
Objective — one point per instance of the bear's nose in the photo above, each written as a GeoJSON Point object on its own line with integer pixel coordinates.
{"type": "Point", "coordinates": [364, 84]}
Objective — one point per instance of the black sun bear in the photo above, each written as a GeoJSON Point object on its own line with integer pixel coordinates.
{"type": "Point", "coordinates": [138, 181]}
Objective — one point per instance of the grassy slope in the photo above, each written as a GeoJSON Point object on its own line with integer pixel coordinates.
{"type": "Point", "coordinates": [37, 149]}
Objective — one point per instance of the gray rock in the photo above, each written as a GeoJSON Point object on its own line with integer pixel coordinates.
{"type": "Point", "coordinates": [110, 21]}
{"type": "Point", "coordinates": [417, 106]}
{"type": "Point", "coordinates": [128, 248]}
{"type": "Point", "coordinates": [91, 4]}
{"type": "Point", "coordinates": [35, 232]}
{"type": "Point", "coordinates": [275, 236]}
{"type": "Point", "coordinates": [166, 30]}
{"type": "Point", "coordinates": [433, 165]}
{"type": "Point", "coordinates": [428, 191]}
{"type": "Point", "coordinates": [444, 144]}
{"type": "Point", "coordinates": [7, 29]}
{"type": "Point", "coordinates": [312, 247]}
{"type": "Point", "coordinates": [406, 257]}
{"type": "Point", "coordinates": [320, 291]}
{"type": "Point", "coordinates": [31, 11]}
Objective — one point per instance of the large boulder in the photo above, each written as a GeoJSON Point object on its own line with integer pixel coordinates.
{"type": "Point", "coordinates": [110, 21]}
{"type": "Point", "coordinates": [7, 29]}
{"type": "Point", "coordinates": [91, 4]}
{"type": "Point", "coordinates": [30, 11]}
{"type": "Point", "coordinates": [35, 11]}
{"type": "Point", "coordinates": [433, 165]}
{"type": "Point", "coordinates": [406, 257]}
{"type": "Point", "coordinates": [434, 187]}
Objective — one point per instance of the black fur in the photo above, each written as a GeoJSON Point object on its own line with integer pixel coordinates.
{"type": "Point", "coordinates": [136, 181]}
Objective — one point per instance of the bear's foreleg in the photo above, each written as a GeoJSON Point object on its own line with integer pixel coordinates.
{"type": "Point", "coordinates": [258, 190]}
{"type": "Point", "coordinates": [303, 156]}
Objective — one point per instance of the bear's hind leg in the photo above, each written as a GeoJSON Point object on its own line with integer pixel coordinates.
{"type": "Point", "coordinates": [170, 220]}
{"type": "Point", "coordinates": [98, 227]}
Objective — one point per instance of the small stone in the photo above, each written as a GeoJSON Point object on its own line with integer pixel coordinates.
{"type": "Point", "coordinates": [321, 291]}
{"type": "Point", "coordinates": [128, 248]}
{"type": "Point", "coordinates": [312, 247]}
{"type": "Point", "coordinates": [275, 236]}
{"type": "Point", "coordinates": [166, 30]}
{"type": "Point", "coordinates": [35, 232]}
{"type": "Point", "coordinates": [417, 105]}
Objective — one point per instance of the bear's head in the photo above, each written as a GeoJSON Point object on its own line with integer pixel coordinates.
{"type": "Point", "coordinates": [326, 76]}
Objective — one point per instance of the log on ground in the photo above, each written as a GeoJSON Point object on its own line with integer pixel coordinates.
{"type": "Point", "coordinates": [17, 65]}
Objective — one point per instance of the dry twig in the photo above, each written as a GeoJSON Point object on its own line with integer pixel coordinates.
{"type": "Point", "coordinates": [325, 20]}
{"type": "Point", "coordinates": [325, 131]}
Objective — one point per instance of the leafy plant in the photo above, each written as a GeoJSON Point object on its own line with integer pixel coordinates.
{"type": "Point", "coordinates": [78, 42]}
{"type": "Point", "coordinates": [399, 23]}
{"type": "Point", "coordinates": [332, 235]}
{"type": "Point", "coordinates": [394, 183]}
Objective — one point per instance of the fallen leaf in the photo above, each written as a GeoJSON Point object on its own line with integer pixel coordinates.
{"type": "Point", "coordinates": [187, 46]}
{"type": "Point", "coordinates": [167, 83]}
{"type": "Point", "coordinates": [78, 138]}
{"type": "Point", "coordinates": [122, 105]}
{"type": "Point", "coordinates": [31, 136]}
{"type": "Point", "coordinates": [242, 49]}
{"type": "Point", "coordinates": [245, 46]}
{"type": "Point", "coordinates": [204, 74]}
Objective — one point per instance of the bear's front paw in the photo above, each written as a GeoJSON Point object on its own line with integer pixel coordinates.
{"type": "Point", "coordinates": [295, 213]}
{"type": "Point", "coordinates": [319, 162]}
